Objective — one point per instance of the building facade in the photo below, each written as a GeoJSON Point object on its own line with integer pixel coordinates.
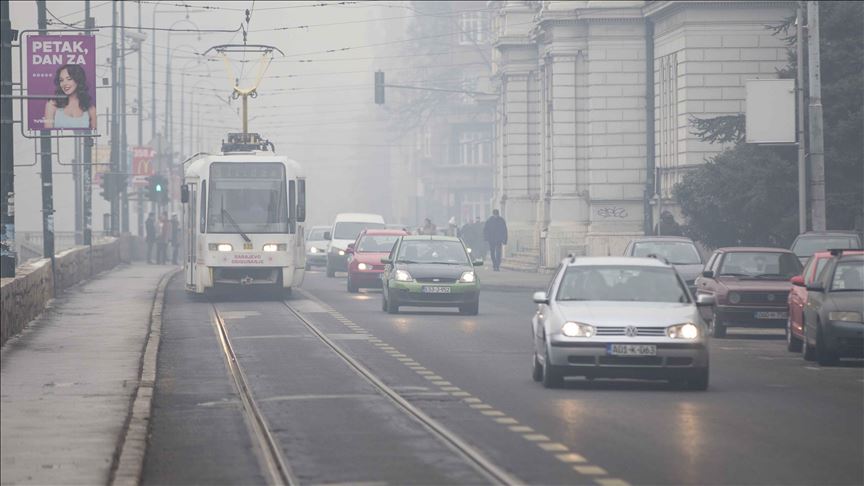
{"type": "Point", "coordinates": [594, 106]}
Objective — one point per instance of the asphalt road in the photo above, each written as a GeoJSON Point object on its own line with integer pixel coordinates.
{"type": "Point", "coordinates": [767, 418]}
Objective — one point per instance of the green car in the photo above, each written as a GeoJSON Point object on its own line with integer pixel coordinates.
{"type": "Point", "coordinates": [430, 271]}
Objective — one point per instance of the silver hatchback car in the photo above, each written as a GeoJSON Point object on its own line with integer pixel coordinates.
{"type": "Point", "coordinates": [619, 317]}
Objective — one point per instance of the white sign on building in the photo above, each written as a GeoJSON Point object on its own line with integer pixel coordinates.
{"type": "Point", "coordinates": [770, 110]}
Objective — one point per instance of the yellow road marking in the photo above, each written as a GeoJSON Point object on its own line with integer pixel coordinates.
{"type": "Point", "coordinates": [590, 470]}
{"type": "Point", "coordinates": [571, 457]}
{"type": "Point", "coordinates": [552, 447]}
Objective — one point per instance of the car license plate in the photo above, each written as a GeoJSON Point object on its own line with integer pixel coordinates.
{"type": "Point", "coordinates": [435, 289]}
{"type": "Point", "coordinates": [772, 315]}
{"type": "Point", "coordinates": [632, 349]}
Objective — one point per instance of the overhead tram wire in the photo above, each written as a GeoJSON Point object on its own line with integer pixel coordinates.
{"type": "Point", "coordinates": [235, 9]}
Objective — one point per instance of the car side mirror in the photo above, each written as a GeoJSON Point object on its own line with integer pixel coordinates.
{"type": "Point", "coordinates": [705, 300]}
{"type": "Point", "coordinates": [350, 249]}
{"type": "Point", "coordinates": [184, 193]}
{"type": "Point", "coordinates": [477, 263]}
{"type": "Point", "coordinates": [797, 280]}
{"type": "Point", "coordinates": [327, 236]}
{"type": "Point", "coordinates": [708, 274]}
{"type": "Point", "coordinates": [815, 287]}
{"type": "Point", "coordinates": [386, 261]}
{"type": "Point", "coordinates": [541, 298]}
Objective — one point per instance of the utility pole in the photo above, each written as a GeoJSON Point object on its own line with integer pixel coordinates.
{"type": "Point", "coordinates": [47, 174]}
{"type": "Point", "coordinates": [77, 170]}
{"type": "Point", "coordinates": [817, 153]}
{"type": "Point", "coordinates": [87, 203]}
{"type": "Point", "coordinates": [802, 144]}
{"type": "Point", "coordinates": [8, 255]}
{"type": "Point", "coordinates": [141, 123]}
{"type": "Point", "coordinates": [115, 129]}
{"type": "Point", "coordinates": [124, 143]}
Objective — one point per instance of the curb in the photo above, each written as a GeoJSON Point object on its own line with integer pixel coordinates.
{"type": "Point", "coordinates": [129, 457]}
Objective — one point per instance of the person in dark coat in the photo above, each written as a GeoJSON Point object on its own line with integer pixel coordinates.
{"type": "Point", "coordinates": [667, 225]}
{"type": "Point", "coordinates": [495, 233]}
{"type": "Point", "coordinates": [150, 235]}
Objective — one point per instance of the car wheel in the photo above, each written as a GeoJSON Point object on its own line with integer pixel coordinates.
{"type": "Point", "coordinates": [392, 307]}
{"type": "Point", "coordinates": [807, 349]}
{"type": "Point", "coordinates": [330, 271]}
{"type": "Point", "coordinates": [537, 368]}
{"type": "Point", "coordinates": [823, 355]}
{"type": "Point", "coordinates": [308, 266]}
{"type": "Point", "coordinates": [698, 380]}
{"type": "Point", "coordinates": [793, 344]}
{"type": "Point", "coordinates": [718, 327]}
{"type": "Point", "coordinates": [552, 378]}
{"type": "Point", "coordinates": [384, 300]}
{"type": "Point", "coordinates": [351, 287]}
{"type": "Point", "coordinates": [471, 309]}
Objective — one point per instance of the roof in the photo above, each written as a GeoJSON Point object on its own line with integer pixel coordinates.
{"type": "Point", "coordinates": [661, 238]}
{"type": "Point", "coordinates": [615, 261]}
{"type": "Point", "coordinates": [763, 249]}
{"type": "Point", "coordinates": [827, 253]}
{"type": "Point", "coordinates": [359, 218]}
{"type": "Point", "coordinates": [319, 228]}
{"type": "Point", "coordinates": [429, 238]}
{"type": "Point", "coordinates": [829, 232]}
{"type": "Point", "coordinates": [383, 232]}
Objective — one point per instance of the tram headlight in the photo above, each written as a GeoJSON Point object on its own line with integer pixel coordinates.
{"type": "Point", "coordinates": [275, 247]}
{"type": "Point", "coordinates": [313, 250]}
{"type": "Point", "coordinates": [221, 247]}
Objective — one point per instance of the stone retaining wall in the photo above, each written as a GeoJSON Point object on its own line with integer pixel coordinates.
{"type": "Point", "coordinates": [25, 296]}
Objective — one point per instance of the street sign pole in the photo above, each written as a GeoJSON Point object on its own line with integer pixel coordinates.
{"type": "Point", "coordinates": [817, 153]}
{"type": "Point", "coordinates": [8, 255]}
{"type": "Point", "coordinates": [45, 157]}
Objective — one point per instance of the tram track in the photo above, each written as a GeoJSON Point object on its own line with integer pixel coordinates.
{"type": "Point", "coordinates": [277, 467]}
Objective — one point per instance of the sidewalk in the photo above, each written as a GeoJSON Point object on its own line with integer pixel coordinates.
{"type": "Point", "coordinates": [68, 381]}
{"type": "Point", "coordinates": [510, 280]}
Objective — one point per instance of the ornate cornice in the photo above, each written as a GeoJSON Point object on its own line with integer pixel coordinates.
{"type": "Point", "coordinates": [669, 7]}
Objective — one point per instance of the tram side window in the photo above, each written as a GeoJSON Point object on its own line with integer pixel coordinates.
{"type": "Point", "coordinates": [203, 215]}
{"type": "Point", "coordinates": [292, 207]}
{"type": "Point", "coordinates": [301, 200]}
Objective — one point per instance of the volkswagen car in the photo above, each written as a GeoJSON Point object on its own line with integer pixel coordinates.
{"type": "Point", "coordinates": [365, 254]}
{"type": "Point", "coordinates": [678, 251]}
{"type": "Point", "coordinates": [430, 271]}
{"type": "Point", "coordinates": [619, 317]}
{"type": "Point", "coordinates": [316, 247]}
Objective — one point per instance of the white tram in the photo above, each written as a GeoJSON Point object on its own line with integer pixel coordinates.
{"type": "Point", "coordinates": [244, 211]}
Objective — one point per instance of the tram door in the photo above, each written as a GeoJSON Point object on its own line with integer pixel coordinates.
{"type": "Point", "coordinates": [191, 235]}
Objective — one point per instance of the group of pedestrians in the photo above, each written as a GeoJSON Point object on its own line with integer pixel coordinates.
{"type": "Point", "coordinates": [160, 234]}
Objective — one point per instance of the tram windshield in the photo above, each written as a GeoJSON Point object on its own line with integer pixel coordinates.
{"type": "Point", "coordinates": [247, 197]}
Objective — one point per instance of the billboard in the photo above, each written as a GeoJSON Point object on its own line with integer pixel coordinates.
{"type": "Point", "coordinates": [770, 110]}
{"type": "Point", "coordinates": [142, 165]}
{"type": "Point", "coordinates": [101, 162]}
{"type": "Point", "coordinates": [63, 66]}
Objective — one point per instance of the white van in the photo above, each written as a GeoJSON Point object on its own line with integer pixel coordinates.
{"type": "Point", "coordinates": [345, 229]}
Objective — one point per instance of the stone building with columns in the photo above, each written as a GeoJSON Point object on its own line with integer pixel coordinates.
{"type": "Point", "coordinates": [594, 104]}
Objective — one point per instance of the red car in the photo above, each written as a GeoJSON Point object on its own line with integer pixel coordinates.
{"type": "Point", "coordinates": [364, 266]}
{"type": "Point", "coordinates": [798, 297]}
{"type": "Point", "coordinates": [750, 286]}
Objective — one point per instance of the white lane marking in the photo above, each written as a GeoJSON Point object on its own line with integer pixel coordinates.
{"type": "Point", "coordinates": [480, 406]}
{"type": "Point", "coordinates": [552, 447]}
{"type": "Point", "coordinates": [535, 437]}
{"type": "Point", "coordinates": [570, 457]}
{"type": "Point", "coordinates": [590, 470]}
{"type": "Point", "coordinates": [507, 421]}
{"type": "Point", "coordinates": [492, 413]}
{"type": "Point", "coordinates": [611, 482]}
{"type": "Point", "coordinates": [521, 428]}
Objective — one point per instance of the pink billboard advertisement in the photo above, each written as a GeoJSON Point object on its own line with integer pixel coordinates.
{"type": "Point", "coordinates": [63, 66]}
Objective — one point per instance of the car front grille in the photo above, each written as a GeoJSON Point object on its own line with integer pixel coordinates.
{"type": "Point", "coordinates": [769, 298]}
{"type": "Point", "coordinates": [640, 331]}
{"type": "Point", "coordinates": [437, 280]}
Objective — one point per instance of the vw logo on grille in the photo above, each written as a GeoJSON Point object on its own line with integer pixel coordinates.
{"type": "Point", "coordinates": [436, 279]}
{"type": "Point", "coordinates": [770, 297]}
{"type": "Point", "coordinates": [630, 331]}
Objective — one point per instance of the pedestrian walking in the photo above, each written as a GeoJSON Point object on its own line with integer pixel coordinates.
{"type": "Point", "coordinates": [163, 239]}
{"type": "Point", "coordinates": [495, 233]}
{"type": "Point", "coordinates": [667, 225]}
{"type": "Point", "coordinates": [150, 235]}
{"type": "Point", "coordinates": [175, 238]}
{"type": "Point", "coordinates": [428, 227]}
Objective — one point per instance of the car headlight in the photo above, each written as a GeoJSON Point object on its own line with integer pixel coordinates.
{"type": "Point", "coordinates": [275, 247]}
{"type": "Point", "coordinates": [688, 330]}
{"type": "Point", "coordinates": [220, 247]}
{"type": "Point", "coordinates": [341, 252]}
{"type": "Point", "coordinates": [734, 297]}
{"type": "Point", "coordinates": [402, 276]}
{"type": "Point", "coordinates": [845, 316]}
{"type": "Point", "coordinates": [577, 329]}
{"type": "Point", "coordinates": [313, 250]}
{"type": "Point", "coordinates": [363, 266]}
{"type": "Point", "coordinates": [468, 277]}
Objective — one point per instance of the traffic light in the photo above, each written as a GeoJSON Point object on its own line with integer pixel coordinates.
{"type": "Point", "coordinates": [157, 188]}
{"type": "Point", "coordinates": [379, 87]}
{"type": "Point", "coordinates": [109, 186]}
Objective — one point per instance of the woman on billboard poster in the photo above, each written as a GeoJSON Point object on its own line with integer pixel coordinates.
{"type": "Point", "coordinates": [73, 108]}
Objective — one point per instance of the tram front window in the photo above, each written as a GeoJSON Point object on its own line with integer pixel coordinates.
{"type": "Point", "coordinates": [247, 197]}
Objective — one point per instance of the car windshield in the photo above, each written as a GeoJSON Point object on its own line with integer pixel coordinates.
{"type": "Point", "coordinates": [433, 251]}
{"type": "Point", "coordinates": [621, 283]}
{"type": "Point", "coordinates": [848, 276]}
{"type": "Point", "coordinates": [348, 230]}
{"type": "Point", "coordinates": [761, 264]}
{"type": "Point", "coordinates": [675, 252]}
{"type": "Point", "coordinates": [807, 246]}
{"type": "Point", "coordinates": [247, 197]}
{"type": "Point", "coordinates": [376, 243]}
{"type": "Point", "coordinates": [316, 235]}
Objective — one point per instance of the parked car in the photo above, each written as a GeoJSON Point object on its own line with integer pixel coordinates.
{"type": "Point", "coordinates": [619, 318]}
{"type": "Point", "coordinates": [316, 247]}
{"type": "Point", "coordinates": [798, 296]}
{"type": "Point", "coordinates": [750, 286]}
{"type": "Point", "coordinates": [430, 271]}
{"type": "Point", "coordinates": [678, 251]}
{"type": "Point", "coordinates": [834, 314]}
{"type": "Point", "coordinates": [806, 244]}
{"type": "Point", "coordinates": [346, 227]}
{"type": "Point", "coordinates": [364, 265]}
